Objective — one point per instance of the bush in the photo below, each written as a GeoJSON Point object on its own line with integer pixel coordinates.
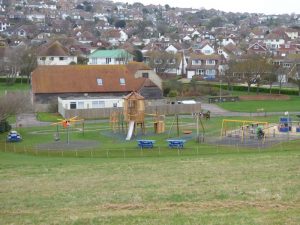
{"type": "Point", "coordinates": [172, 94]}
{"type": "Point", "coordinates": [4, 126]}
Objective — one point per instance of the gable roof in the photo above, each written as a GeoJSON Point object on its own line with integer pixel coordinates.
{"type": "Point", "coordinates": [54, 49]}
{"type": "Point", "coordinates": [116, 53]}
{"type": "Point", "coordinates": [83, 79]}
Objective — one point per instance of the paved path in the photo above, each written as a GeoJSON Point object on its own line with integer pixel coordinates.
{"type": "Point", "coordinates": [29, 120]}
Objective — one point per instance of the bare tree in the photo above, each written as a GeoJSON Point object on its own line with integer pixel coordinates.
{"type": "Point", "coordinates": [28, 63]}
{"type": "Point", "coordinates": [296, 78]}
{"type": "Point", "coordinates": [162, 62]}
{"type": "Point", "coordinates": [13, 103]}
{"type": "Point", "coordinates": [252, 70]}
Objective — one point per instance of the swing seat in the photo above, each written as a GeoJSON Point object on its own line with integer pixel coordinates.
{"type": "Point", "coordinates": [187, 132]}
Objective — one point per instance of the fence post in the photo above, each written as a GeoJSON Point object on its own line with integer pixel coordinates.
{"type": "Point", "coordinates": [106, 153]}
{"type": "Point", "coordinates": [158, 150]}
{"type": "Point", "coordinates": [91, 153]}
{"type": "Point", "coordinates": [123, 153]}
{"type": "Point", "coordinates": [14, 147]}
{"type": "Point", "coordinates": [62, 153]}
{"type": "Point", "coordinates": [76, 153]}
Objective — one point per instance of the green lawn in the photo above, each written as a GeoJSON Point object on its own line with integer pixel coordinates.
{"type": "Point", "coordinates": [117, 183]}
{"type": "Point", "coordinates": [14, 87]}
{"type": "Point", "coordinates": [48, 117]}
{"type": "Point", "coordinates": [292, 105]}
{"type": "Point", "coordinates": [250, 188]}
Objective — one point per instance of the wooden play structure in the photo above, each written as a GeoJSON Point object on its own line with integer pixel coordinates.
{"type": "Point", "coordinates": [133, 116]}
{"type": "Point", "coordinates": [245, 129]}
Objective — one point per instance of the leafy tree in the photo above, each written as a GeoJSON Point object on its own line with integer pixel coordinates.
{"type": "Point", "coordinates": [82, 60]}
{"type": "Point", "coordinates": [138, 56]}
{"type": "Point", "coordinates": [215, 22]}
{"type": "Point", "coordinates": [120, 24]}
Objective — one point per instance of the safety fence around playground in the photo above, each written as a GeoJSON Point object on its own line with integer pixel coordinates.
{"type": "Point", "coordinates": [137, 152]}
{"type": "Point", "coordinates": [164, 109]}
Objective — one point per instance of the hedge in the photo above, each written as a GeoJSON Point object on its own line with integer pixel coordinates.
{"type": "Point", "coordinates": [18, 80]}
{"type": "Point", "coordinates": [260, 89]}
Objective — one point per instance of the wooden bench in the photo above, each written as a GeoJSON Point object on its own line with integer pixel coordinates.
{"type": "Point", "coordinates": [146, 143]}
{"type": "Point", "coordinates": [176, 143]}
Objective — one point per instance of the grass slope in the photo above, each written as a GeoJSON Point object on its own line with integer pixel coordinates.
{"type": "Point", "coordinates": [248, 188]}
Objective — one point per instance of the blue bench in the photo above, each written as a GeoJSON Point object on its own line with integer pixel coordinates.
{"type": "Point", "coordinates": [298, 129]}
{"type": "Point", "coordinates": [176, 143]}
{"type": "Point", "coordinates": [284, 129]}
{"type": "Point", "coordinates": [146, 143]}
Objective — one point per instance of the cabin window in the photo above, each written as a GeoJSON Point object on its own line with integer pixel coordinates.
{"type": "Point", "coordinates": [61, 58]}
{"type": "Point", "coordinates": [122, 81]}
{"type": "Point", "coordinates": [94, 60]}
{"type": "Point", "coordinates": [73, 105]}
{"type": "Point", "coordinates": [108, 60]}
{"type": "Point", "coordinates": [80, 105]}
{"type": "Point", "coordinates": [99, 82]}
{"type": "Point", "coordinates": [145, 75]}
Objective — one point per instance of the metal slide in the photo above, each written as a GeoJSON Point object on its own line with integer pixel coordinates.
{"type": "Point", "coordinates": [130, 130]}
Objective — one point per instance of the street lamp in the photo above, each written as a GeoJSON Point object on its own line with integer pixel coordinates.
{"type": "Point", "coordinates": [288, 132]}
{"type": "Point", "coordinates": [220, 89]}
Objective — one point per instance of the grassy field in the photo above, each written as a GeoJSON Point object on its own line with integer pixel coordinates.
{"type": "Point", "coordinates": [14, 87]}
{"type": "Point", "coordinates": [292, 105]}
{"type": "Point", "coordinates": [247, 188]}
{"type": "Point", "coordinates": [202, 184]}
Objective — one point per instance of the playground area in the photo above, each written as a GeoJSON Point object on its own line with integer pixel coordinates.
{"type": "Point", "coordinates": [132, 127]}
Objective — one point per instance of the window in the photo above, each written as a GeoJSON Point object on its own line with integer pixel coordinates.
{"type": "Point", "coordinates": [98, 104]}
{"type": "Point", "coordinates": [51, 58]}
{"type": "Point", "coordinates": [115, 104]}
{"type": "Point", "coordinates": [196, 62]}
{"type": "Point", "coordinates": [145, 75]}
{"type": "Point", "coordinates": [99, 82]}
{"type": "Point", "coordinates": [200, 72]}
{"type": "Point", "coordinates": [61, 58]}
{"type": "Point", "coordinates": [256, 47]}
{"type": "Point", "coordinates": [101, 104]}
{"type": "Point", "coordinates": [95, 104]}
{"type": "Point", "coordinates": [122, 81]}
{"type": "Point", "coordinates": [94, 60]}
{"type": "Point", "coordinates": [72, 105]}
{"type": "Point", "coordinates": [108, 60]}
{"type": "Point", "coordinates": [43, 58]}
{"type": "Point", "coordinates": [158, 61]}
{"type": "Point", "coordinates": [210, 62]}
{"type": "Point", "coordinates": [80, 105]}
{"type": "Point", "coordinates": [172, 61]}
{"type": "Point", "coordinates": [210, 72]}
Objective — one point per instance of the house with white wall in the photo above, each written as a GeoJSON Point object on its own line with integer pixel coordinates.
{"type": "Point", "coordinates": [110, 57]}
{"type": "Point", "coordinates": [55, 54]}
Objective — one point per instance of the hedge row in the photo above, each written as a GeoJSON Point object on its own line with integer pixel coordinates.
{"type": "Point", "coordinates": [275, 90]}
{"type": "Point", "coordinates": [18, 80]}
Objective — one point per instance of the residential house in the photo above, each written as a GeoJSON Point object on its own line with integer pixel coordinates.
{"type": "Point", "coordinates": [96, 82]}
{"type": "Point", "coordinates": [109, 57]}
{"type": "Point", "coordinates": [114, 37]}
{"type": "Point", "coordinates": [203, 65]}
{"type": "Point", "coordinates": [257, 48]}
{"type": "Point", "coordinates": [55, 54]}
{"type": "Point", "coordinates": [274, 40]}
{"type": "Point", "coordinates": [4, 24]}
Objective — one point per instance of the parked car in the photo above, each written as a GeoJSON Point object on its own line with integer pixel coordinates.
{"type": "Point", "coordinates": [14, 136]}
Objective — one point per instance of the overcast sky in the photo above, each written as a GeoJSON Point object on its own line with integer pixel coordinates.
{"type": "Point", "coordinates": [258, 6]}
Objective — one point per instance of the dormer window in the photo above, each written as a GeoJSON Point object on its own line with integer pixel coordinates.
{"type": "Point", "coordinates": [122, 81]}
{"type": "Point", "coordinates": [99, 81]}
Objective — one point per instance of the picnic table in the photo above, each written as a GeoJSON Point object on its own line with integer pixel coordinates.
{"type": "Point", "coordinates": [146, 143]}
{"type": "Point", "coordinates": [178, 143]}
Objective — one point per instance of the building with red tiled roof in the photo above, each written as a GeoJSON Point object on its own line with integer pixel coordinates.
{"type": "Point", "coordinates": [51, 82]}
{"type": "Point", "coordinates": [55, 54]}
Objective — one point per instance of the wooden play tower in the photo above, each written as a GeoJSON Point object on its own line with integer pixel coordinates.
{"type": "Point", "coordinates": [134, 110]}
